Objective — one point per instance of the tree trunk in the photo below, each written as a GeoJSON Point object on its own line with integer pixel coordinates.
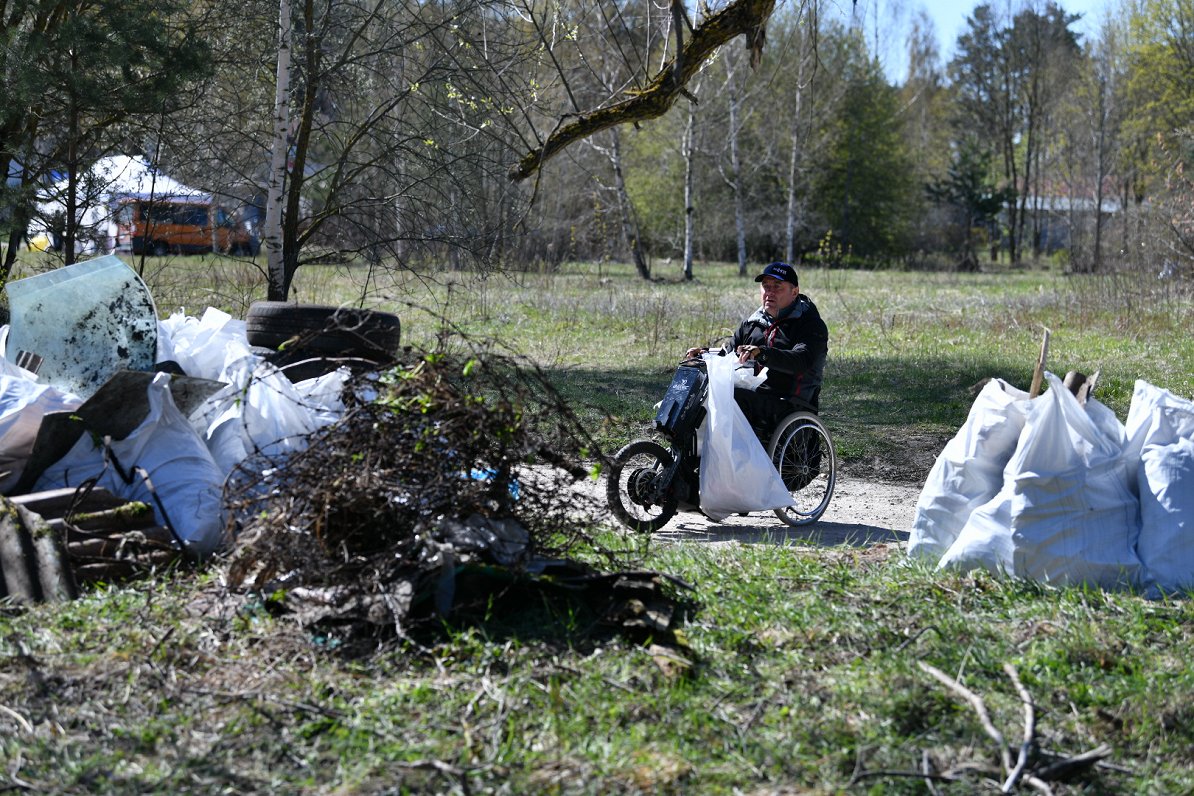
{"type": "Point", "coordinates": [293, 216]}
{"type": "Point", "coordinates": [71, 229]}
{"type": "Point", "coordinates": [19, 224]}
{"type": "Point", "coordinates": [688, 180]}
{"type": "Point", "coordinates": [1100, 176]}
{"type": "Point", "coordinates": [794, 161]}
{"type": "Point", "coordinates": [736, 165]}
{"type": "Point", "coordinates": [279, 282]}
{"type": "Point", "coordinates": [629, 227]}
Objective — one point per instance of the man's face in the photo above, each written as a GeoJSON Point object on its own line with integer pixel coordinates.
{"type": "Point", "coordinates": [777, 294]}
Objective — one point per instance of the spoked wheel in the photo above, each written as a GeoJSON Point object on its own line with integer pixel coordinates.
{"type": "Point", "coordinates": [802, 451]}
{"type": "Point", "coordinates": [634, 491]}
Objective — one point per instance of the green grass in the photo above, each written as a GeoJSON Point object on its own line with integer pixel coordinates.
{"type": "Point", "coordinates": [807, 668]}
{"type": "Point", "coordinates": [807, 671]}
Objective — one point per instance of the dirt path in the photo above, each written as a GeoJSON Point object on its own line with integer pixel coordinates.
{"type": "Point", "coordinates": [861, 513]}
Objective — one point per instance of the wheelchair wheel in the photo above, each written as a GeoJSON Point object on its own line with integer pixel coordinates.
{"type": "Point", "coordinates": [633, 487]}
{"type": "Point", "coordinates": [802, 451]}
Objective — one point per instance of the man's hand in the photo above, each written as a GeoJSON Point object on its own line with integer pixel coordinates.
{"type": "Point", "coordinates": [695, 353]}
{"type": "Point", "coordinates": [747, 353]}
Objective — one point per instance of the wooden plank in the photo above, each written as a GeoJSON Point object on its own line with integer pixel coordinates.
{"type": "Point", "coordinates": [1038, 373]}
{"type": "Point", "coordinates": [120, 545]}
{"type": "Point", "coordinates": [57, 502]}
{"type": "Point", "coordinates": [129, 517]}
{"type": "Point", "coordinates": [113, 571]}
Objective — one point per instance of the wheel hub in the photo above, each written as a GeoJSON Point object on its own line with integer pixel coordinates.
{"type": "Point", "coordinates": [642, 486]}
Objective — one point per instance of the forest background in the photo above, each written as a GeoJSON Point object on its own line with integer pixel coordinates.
{"type": "Point", "coordinates": [404, 135]}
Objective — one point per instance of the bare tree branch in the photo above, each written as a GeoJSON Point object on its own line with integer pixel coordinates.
{"type": "Point", "coordinates": [980, 708]}
{"type": "Point", "coordinates": [740, 17]}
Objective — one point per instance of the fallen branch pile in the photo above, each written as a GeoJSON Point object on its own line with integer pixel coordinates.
{"type": "Point", "coordinates": [447, 479]}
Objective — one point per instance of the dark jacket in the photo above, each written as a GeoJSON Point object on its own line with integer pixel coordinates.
{"type": "Point", "coordinates": [794, 349]}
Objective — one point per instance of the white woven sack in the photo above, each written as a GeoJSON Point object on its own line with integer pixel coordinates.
{"type": "Point", "coordinates": [185, 478]}
{"type": "Point", "coordinates": [1160, 452]}
{"type": "Point", "coordinates": [969, 470]}
{"type": "Point", "coordinates": [23, 404]}
{"type": "Point", "coordinates": [209, 347]}
{"type": "Point", "coordinates": [1074, 517]}
{"type": "Point", "coordinates": [262, 412]}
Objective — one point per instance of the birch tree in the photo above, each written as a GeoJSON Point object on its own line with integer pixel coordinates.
{"type": "Point", "coordinates": [277, 276]}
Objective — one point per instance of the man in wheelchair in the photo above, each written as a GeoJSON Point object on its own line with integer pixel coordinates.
{"type": "Point", "coordinates": [787, 336]}
{"type": "Point", "coordinates": [648, 483]}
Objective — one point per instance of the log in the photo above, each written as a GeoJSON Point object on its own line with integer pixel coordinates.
{"type": "Point", "coordinates": [15, 554]}
{"type": "Point", "coordinates": [54, 577]}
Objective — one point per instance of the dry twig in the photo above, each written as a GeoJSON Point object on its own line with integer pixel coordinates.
{"type": "Point", "coordinates": [1029, 743]}
{"type": "Point", "coordinates": [979, 707]}
{"type": "Point", "coordinates": [1026, 769]}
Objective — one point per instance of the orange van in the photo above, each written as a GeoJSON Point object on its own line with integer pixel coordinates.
{"type": "Point", "coordinates": [179, 226]}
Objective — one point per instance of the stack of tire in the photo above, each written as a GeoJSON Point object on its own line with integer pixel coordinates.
{"type": "Point", "coordinates": [308, 340]}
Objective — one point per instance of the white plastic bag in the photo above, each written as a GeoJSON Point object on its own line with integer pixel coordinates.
{"type": "Point", "coordinates": [1160, 452]}
{"type": "Point", "coordinates": [745, 377]}
{"type": "Point", "coordinates": [736, 473]}
{"type": "Point", "coordinates": [165, 447]}
{"type": "Point", "coordinates": [208, 347]}
{"type": "Point", "coordinates": [1066, 513]}
{"type": "Point", "coordinates": [969, 470]}
{"type": "Point", "coordinates": [23, 404]}
{"type": "Point", "coordinates": [261, 411]}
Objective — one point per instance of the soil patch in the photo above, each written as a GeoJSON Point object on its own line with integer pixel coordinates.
{"type": "Point", "coordinates": [908, 462]}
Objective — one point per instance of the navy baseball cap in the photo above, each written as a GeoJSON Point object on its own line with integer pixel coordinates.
{"type": "Point", "coordinates": [781, 271]}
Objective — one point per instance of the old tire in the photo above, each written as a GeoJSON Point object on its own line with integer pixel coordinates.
{"type": "Point", "coordinates": [317, 330]}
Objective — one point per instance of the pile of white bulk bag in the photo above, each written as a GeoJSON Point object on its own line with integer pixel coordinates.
{"type": "Point", "coordinates": [177, 464]}
{"type": "Point", "coordinates": [1082, 499]}
{"type": "Point", "coordinates": [259, 411]}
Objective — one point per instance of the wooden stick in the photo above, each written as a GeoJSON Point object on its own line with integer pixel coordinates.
{"type": "Point", "coordinates": [21, 720]}
{"type": "Point", "coordinates": [1038, 373]}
